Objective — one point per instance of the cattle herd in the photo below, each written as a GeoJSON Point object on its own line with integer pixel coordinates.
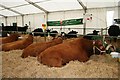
{"type": "Point", "coordinates": [55, 53]}
{"type": "Point", "coordinates": [37, 32]}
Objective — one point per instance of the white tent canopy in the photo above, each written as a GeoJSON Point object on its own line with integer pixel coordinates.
{"type": "Point", "coordinates": [38, 12]}
{"type": "Point", "coordinates": [23, 7]}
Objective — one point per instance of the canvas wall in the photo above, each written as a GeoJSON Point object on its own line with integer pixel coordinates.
{"type": "Point", "coordinates": [36, 20]}
{"type": "Point", "coordinates": [2, 20]}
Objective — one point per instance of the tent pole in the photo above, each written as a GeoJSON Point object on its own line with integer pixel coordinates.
{"type": "Point", "coordinates": [85, 10]}
{"type": "Point", "coordinates": [37, 6]}
{"type": "Point", "coordinates": [46, 19]}
{"type": "Point", "coordinates": [84, 24]}
{"type": "Point", "coordinates": [22, 20]}
{"type": "Point", "coordinates": [10, 9]}
{"type": "Point", "coordinates": [6, 21]}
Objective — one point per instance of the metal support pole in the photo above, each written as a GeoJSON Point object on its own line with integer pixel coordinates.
{"type": "Point", "coordinates": [46, 19]}
{"type": "Point", "coordinates": [10, 9]}
{"type": "Point", "coordinates": [34, 4]}
{"type": "Point", "coordinates": [22, 20]}
{"type": "Point", "coordinates": [84, 28]}
{"type": "Point", "coordinates": [84, 24]}
{"type": "Point", "coordinates": [6, 21]}
{"type": "Point", "coordinates": [45, 22]}
{"type": "Point", "coordinates": [85, 10]}
{"type": "Point", "coordinates": [101, 31]}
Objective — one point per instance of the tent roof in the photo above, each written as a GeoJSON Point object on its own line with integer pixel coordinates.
{"type": "Point", "coordinates": [19, 7]}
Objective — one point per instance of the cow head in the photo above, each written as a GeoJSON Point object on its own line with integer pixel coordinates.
{"type": "Point", "coordinates": [98, 47]}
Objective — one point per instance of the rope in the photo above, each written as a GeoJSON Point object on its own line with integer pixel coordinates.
{"type": "Point", "coordinates": [97, 48]}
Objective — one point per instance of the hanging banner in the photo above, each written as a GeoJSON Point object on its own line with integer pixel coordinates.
{"type": "Point", "coordinates": [53, 23]}
{"type": "Point", "coordinates": [73, 22]}
{"type": "Point", "coordinates": [65, 22]}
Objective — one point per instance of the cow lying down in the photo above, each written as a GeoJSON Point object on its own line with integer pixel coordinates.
{"type": "Point", "coordinates": [80, 49]}
{"type": "Point", "coordinates": [13, 37]}
{"type": "Point", "coordinates": [36, 48]}
{"type": "Point", "coordinates": [20, 44]}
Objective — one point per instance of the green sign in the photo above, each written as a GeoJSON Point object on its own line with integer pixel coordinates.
{"type": "Point", "coordinates": [65, 22]}
{"type": "Point", "coordinates": [53, 23]}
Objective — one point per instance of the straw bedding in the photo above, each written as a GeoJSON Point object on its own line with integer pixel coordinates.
{"type": "Point", "coordinates": [99, 66]}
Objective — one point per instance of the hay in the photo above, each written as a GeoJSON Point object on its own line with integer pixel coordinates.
{"type": "Point", "coordinates": [13, 66]}
{"type": "Point", "coordinates": [0, 65]}
{"type": "Point", "coordinates": [99, 66]}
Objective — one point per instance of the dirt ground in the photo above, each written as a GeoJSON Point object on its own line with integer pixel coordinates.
{"type": "Point", "coordinates": [99, 66]}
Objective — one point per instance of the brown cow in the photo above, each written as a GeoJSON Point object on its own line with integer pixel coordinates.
{"type": "Point", "coordinates": [36, 48]}
{"type": "Point", "coordinates": [20, 44]}
{"type": "Point", "coordinates": [80, 49]}
{"type": "Point", "coordinates": [11, 38]}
